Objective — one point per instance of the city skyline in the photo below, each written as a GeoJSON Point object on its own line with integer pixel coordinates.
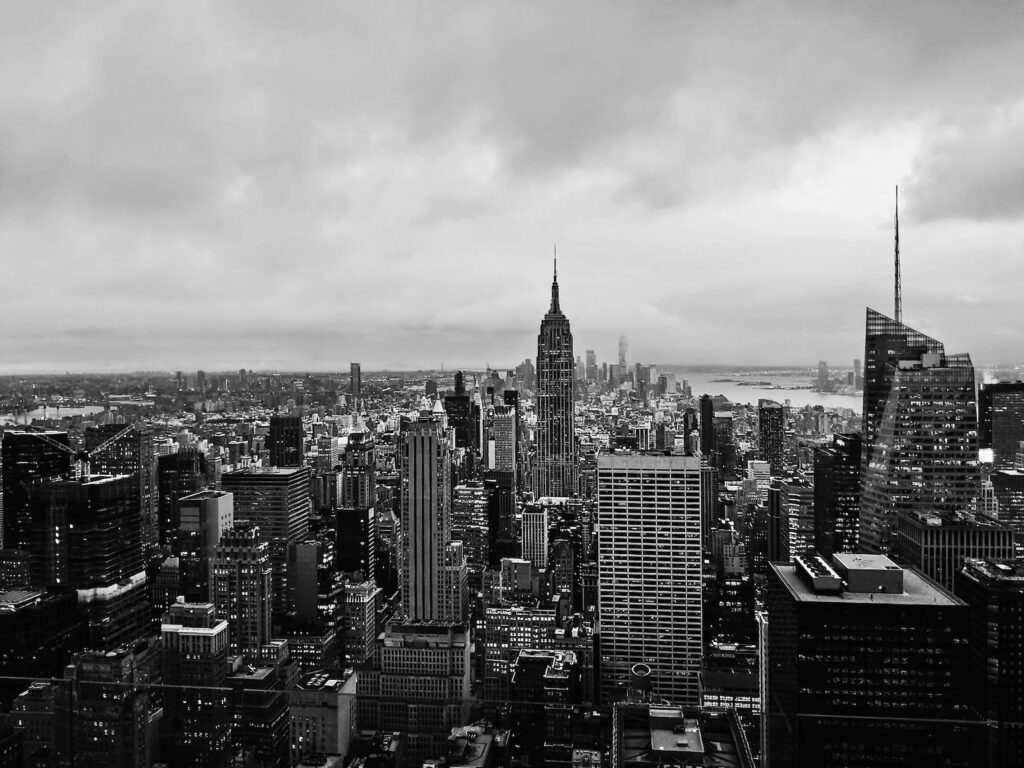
{"type": "Point", "coordinates": [264, 187]}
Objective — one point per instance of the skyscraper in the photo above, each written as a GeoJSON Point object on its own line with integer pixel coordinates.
{"type": "Point", "coordinates": [837, 495]}
{"type": "Point", "coordinates": [535, 536]}
{"type": "Point", "coordinates": [864, 665]}
{"type": "Point", "coordinates": [242, 586]}
{"type": "Point", "coordinates": [771, 426]}
{"type": "Point", "coordinates": [426, 523]}
{"type": "Point", "coordinates": [924, 455]}
{"type": "Point", "coordinates": [994, 593]}
{"type": "Point", "coordinates": [178, 474]}
{"type": "Point", "coordinates": [357, 516]}
{"type": "Point", "coordinates": [286, 441]}
{"type": "Point", "coordinates": [356, 383]}
{"type": "Point", "coordinates": [277, 500]}
{"type": "Point", "coordinates": [1001, 420]}
{"type": "Point", "coordinates": [555, 470]}
{"type": "Point", "coordinates": [886, 341]}
{"type": "Point", "coordinates": [204, 516]}
{"type": "Point", "coordinates": [649, 573]}
{"type": "Point", "coordinates": [132, 453]}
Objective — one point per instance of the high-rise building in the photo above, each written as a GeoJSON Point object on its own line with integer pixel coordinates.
{"type": "Point", "coordinates": [649, 573]}
{"type": "Point", "coordinates": [556, 464]}
{"type": "Point", "coordinates": [27, 459]}
{"type": "Point", "coordinates": [113, 720]}
{"type": "Point", "coordinates": [994, 593]}
{"type": "Point", "coordinates": [357, 516]}
{"type": "Point", "coordinates": [286, 442]}
{"type": "Point", "coordinates": [925, 451]}
{"type": "Point", "coordinates": [196, 727]}
{"type": "Point", "coordinates": [837, 495]}
{"type": "Point", "coordinates": [937, 543]}
{"type": "Point", "coordinates": [277, 500]}
{"type": "Point", "coordinates": [535, 536]}
{"type": "Point", "coordinates": [426, 523]}
{"type": "Point", "coordinates": [623, 353]}
{"type": "Point", "coordinates": [418, 684]}
{"type": "Point", "coordinates": [591, 365]}
{"type": "Point", "coordinates": [129, 452]}
{"type": "Point", "coordinates": [864, 664]}
{"type": "Point", "coordinates": [886, 342]}
{"type": "Point", "coordinates": [1001, 420]}
{"type": "Point", "coordinates": [203, 517]}
{"type": "Point", "coordinates": [178, 474]}
{"type": "Point", "coordinates": [771, 428]}
{"type": "Point", "coordinates": [98, 551]}
{"type": "Point", "coordinates": [356, 383]}
{"type": "Point", "coordinates": [707, 425]}
{"type": "Point", "coordinates": [242, 586]}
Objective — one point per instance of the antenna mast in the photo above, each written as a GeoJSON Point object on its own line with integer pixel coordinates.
{"type": "Point", "coordinates": [898, 281]}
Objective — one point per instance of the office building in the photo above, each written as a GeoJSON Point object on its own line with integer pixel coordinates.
{"type": "Point", "coordinates": [277, 500]}
{"type": "Point", "coordinates": [178, 474]}
{"type": "Point", "coordinates": [994, 593]}
{"type": "Point", "coordinates": [649, 735]}
{"type": "Point", "coordinates": [1001, 420]}
{"type": "Point", "coordinates": [426, 524]}
{"type": "Point", "coordinates": [535, 536]}
{"type": "Point", "coordinates": [113, 720]}
{"type": "Point", "coordinates": [322, 710]}
{"type": "Point", "coordinates": [925, 454]}
{"type": "Point", "coordinates": [418, 684]}
{"type": "Point", "coordinates": [649, 573]}
{"type": "Point", "coordinates": [242, 586]}
{"type": "Point", "coordinates": [116, 450]}
{"type": "Point", "coordinates": [196, 726]}
{"type": "Point", "coordinates": [556, 464]}
{"type": "Point", "coordinates": [356, 383]}
{"type": "Point", "coordinates": [286, 441]}
{"type": "Point", "coordinates": [363, 600]}
{"type": "Point", "coordinates": [357, 516]}
{"type": "Point", "coordinates": [771, 428]}
{"type": "Point", "coordinates": [937, 543]}
{"type": "Point", "coordinates": [202, 517]}
{"type": "Point", "coordinates": [837, 495]}
{"type": "Point", "coordinates": [26, 460]}
{"type": "Point", "coordinates": [791, 499]}
{"type": "Point", "coordinates": [97, 550]}
{"type": "Point", "coordinates": [864, 664]}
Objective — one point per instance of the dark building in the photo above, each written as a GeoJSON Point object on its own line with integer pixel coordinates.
{"type": "Point", "coordinates": [113, 721]}
{"type": "Point", "coordinates": [771, 429]}
{"type": "Point", "coordinates": [886, 342]}
{"type": "Point", "coordinates": [925, 451]}
{"type": "Point", "coordinates": [648, 735]}
{"type": "Point", "coordinates": [196, 727]}
{"type": "Point", "coordinates": [286, 441]}
{"type": "Point", "coordinates": [203, 517]}
{"type": "Point", "coordinates": [1001, 420]}
{"type": "Point", "coordinates": [99, 532]}
{"type": "Point", "coordinates": [38, 633]}
{"type": "Point", "coordinates": [707, 425]}
{"type": "Point", "coordinates": [837, 495]}
{"type": "Point", "coordinates": [1008, 488]}
{"type": "Point", "coordinates": [866, 665]}
{"type": "Point", "coordinates": [277, 500]}
{"type": "Point", "coordinates": [357, 516]}
{"type": "Point", "coordinates": [27, 459]}
{"type": "Point", "coordinates": [555, 471]}
{"type": "Point", "coordinates": [178, 474]}
{"type": "Point", "coordinates": [994, 593]}
{"type": "Point", "coordinates": [356, 382]}
{"type": "Point", "coordinates": [545, 701]}
{"type": "Point", "coordinates": [118, 450]}
{"type": "Point", "coordinates": [242, 586]}
{"type": "Point", "coordinates": [936, 544]}
{"type": "Point", "coordinates": [261, 718]}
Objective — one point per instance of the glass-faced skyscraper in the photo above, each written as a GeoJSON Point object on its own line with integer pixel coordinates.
{"type": "Point", "coordinates": [921, 430]}
{"type": "Point", "coordinates": [555, 471]}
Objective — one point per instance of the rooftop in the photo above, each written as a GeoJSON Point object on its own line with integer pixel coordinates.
{"type": "Point", "coordinates": [915, 589]}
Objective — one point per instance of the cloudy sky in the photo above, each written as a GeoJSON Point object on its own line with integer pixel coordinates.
{"type": "Point", "coordinates": [297, 185]}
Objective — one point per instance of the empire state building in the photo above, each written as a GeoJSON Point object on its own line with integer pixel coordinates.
{"type": "Point", "coordinates": [555, 468]}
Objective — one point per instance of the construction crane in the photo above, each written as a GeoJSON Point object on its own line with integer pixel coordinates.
{"type": "Point", "coordinates": [82, 457]}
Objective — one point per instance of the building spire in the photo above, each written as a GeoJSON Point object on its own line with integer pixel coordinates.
{"type": "Point", "coordinates": [555, 309]}
{"type": "Point", "coordinates": [898, 280]}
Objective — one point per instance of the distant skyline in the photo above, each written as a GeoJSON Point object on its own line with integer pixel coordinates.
{"type": "Point", "coordinates": [294, 187]}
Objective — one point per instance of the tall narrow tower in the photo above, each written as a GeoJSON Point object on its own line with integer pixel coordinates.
{"type": "Point", "coordinates": [555, 472]}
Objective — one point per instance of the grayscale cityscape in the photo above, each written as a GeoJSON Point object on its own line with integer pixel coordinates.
{"type": "Point", "coordinates": [512, 385]}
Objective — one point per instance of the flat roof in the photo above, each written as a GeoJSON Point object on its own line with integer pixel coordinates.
{"type": "Point", "coordinates": [916, 591]}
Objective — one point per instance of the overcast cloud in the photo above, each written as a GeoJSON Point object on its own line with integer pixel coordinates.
{"type": "Point", "coordinates": [298, 185]}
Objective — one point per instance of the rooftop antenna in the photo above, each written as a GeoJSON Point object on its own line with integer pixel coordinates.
{"type": "Point", "coordinates": [556, 263]}
{"type": "Point", "coordinates": [898, 281]}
